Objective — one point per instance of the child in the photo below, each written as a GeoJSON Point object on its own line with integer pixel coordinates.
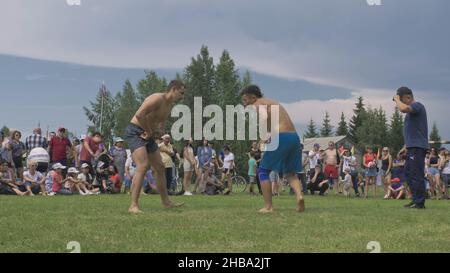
{"type": "Point", "coordinates": [252, 172]}
{"type": "Point", "coordinates": [396, 190]}
{"type": "Point", "coordinates": [347, 182]}
{"type": "Point", "coordinates": [74, 184]}
{"type": "Point", "coordinates": [114, 182]}
{"type": "Point", "coordinates": [57, 180]}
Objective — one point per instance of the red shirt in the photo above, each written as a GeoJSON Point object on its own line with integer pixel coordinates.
{"type": "Point", "coordinates": [57, 179]}
{"type": "Point", "coordinates": [59, 148]}
{"type": "Point", "coordinates": [115, 179]}
{"type": "Point", "coordinates": [369, 158]}
{"type": "Point", "coordinates": [84, 153]}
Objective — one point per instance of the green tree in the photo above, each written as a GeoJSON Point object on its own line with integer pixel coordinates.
{"type": "Point", "coordinates": [152, 83]}
{"type": "Point", "coordinates": [5, 131]}
{"type": "Point", "coordinates": [104, 123]}
{"type": "Point", "coordinates": [327, 128]}
{"type": "Point", "coordinates": [357, 120]}
{"type": "Point", "coordinates": [311, 130]}
{"type": "Point", "coordinates": [395, 138]}
{"type": "Point", "coordinates": [246, 79]}
{"type": "Point", "coordinates": [374, 131]}
{"type": "Point", "coordinates": [434, 136]}
{"type": "Point", "coordinates": [342, 129]}
{"type": "Point", "coordinates": [127, 105]}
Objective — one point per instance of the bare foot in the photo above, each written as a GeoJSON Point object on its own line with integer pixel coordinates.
{"type": "Point", "coordinates": [135, 210]}
{"type": "Point", "coordinates": [301, 205]}
{"type": "Point", "coordinates": [171, 205]}
{"type": "Point", "coordinates": [266, 210]}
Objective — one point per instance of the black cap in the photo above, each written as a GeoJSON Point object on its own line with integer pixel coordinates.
{"type": "Point", "coordinates": [402, 91]}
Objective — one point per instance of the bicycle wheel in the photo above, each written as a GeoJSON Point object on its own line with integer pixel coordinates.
{"type": "Point", "coordinates": [239, 184]}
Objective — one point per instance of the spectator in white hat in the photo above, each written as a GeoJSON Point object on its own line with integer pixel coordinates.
{"type": "Point", "coordinates": [119, 156]}
{"type": "Point", "coordinates": [58, 181]}
{"type": "Point", "coordinates": [75, 185]}
{"type": "Point", "coordinates": [87, 179]}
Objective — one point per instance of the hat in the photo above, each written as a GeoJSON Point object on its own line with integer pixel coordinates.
{"type": "Point", "coordinates": [165, 136]}
{"type": "Point", "coordinates": [72, 170]}
{"type": "Point", "coordinates": [58, 166]}
{"type": "Point", "coordinates": [118, 139]}
{"type": "Point", "coordinates": [395, 180]}
{"type": "Point", "coordinates": [84, 165]}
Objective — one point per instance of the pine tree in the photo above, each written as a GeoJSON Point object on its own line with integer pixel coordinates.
{"type": "Point", "coordinates": [151, 84]}
{"type": "Point", "coordinates": [246, 79]}
{"type": "Point", "coordinates": [106, 123]}
{"type": "Point", "coordinates": [357, 120]}
{"type": "Point", "coordinates": [311, 130]}
{"type": "Point", "coordinates": [127, 105]}
{"type": "Point", "coordinates": [327, 128]}
{"type": "Point", "coordinates": [342, 129]}
{"type": "Point", "coordinates": [227, 81]}
{"type": "Point", "coordinates": [396, 132]}
{"type": "Point", "coordinates": [5, 131]}
{"type": "Point", "coordinates": [434, 136]}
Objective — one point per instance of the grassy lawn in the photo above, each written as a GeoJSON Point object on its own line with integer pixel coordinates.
{"type": "Point", "coordinates": [220, 224]}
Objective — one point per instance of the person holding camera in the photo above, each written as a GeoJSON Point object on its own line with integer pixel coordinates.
{"type": "Point", "coordinates": [416, 143]}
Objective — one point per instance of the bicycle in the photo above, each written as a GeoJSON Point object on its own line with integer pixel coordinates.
{"type": "Point", "coordinates": [240, 184]}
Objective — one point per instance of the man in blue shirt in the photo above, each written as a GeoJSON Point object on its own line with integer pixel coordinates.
{"type": "Point", "coordinates": [416, 143]}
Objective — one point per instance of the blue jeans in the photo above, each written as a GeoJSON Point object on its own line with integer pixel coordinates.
{"type": "Point", "coordinates": [64, 191]}
{"type": "Point", "coordinates": [415, 174]}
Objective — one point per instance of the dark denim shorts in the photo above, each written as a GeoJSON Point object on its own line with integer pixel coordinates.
{"type": "Point", "coordinates": [133, 137]}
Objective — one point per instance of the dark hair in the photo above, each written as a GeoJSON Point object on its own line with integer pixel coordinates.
{"type": "Point", "coordinates": [97, 134]}
{"type": "Point", "coordinates": [226, 148]}
{"type": "Point", "coordinates": [176, 84]}
{"type": "Point", "coordinates": [252, 90]}
{"type": "Point", "coordinates": [252, 154]}
{"type": "Point", "coordinates": [402, 91]}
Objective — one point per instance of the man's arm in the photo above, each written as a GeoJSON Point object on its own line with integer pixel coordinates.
{"type": "Point", "coordinates": [401, 106]}
{"type": "Point", "coordinates": [144, 114]}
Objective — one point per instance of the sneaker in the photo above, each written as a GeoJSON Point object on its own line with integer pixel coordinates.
{"type": "Point", "coordinates": [416, 206]}
{"type": "Point", "coordinates": [187, 193]}
{"type": "Point", "coordinates": [386, 197]}
{"type": "Point", "coordinates": [409, 205]}
{"type": "Point", "coordinates": [51, 194]}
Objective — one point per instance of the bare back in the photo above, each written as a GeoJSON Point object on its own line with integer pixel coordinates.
{"type": "Point", "coordinates": [285, 122]}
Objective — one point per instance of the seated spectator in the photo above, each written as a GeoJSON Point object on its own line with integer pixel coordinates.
{"type": "Point", "coordinates": [102, 177]}
{"type": "Point", "coordinates": [114, 181]}
{"type": "Point", "coordinates": [7, 185]}
{"type": "Point", "coordinates": [396, 190]}
{"type": "Point", "coordinates": [74, 184]}
{"type": "Point", "coordinates": [34, 181]}
{"type": "Point", "coordinates": [213, 184]}
{"type": "Point", "coordinates": [346, 183]}
{"type": "Point", "coordinates": [86, 178]}
{"type": "Point", "coordinates": [318, 181]}
{"type": "Point", "coordinates": [58, 181]}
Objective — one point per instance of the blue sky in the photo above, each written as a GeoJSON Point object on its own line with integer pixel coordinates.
{"type": "Point", "coordinates": [313, 55]}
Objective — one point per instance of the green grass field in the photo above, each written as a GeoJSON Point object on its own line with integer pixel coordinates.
{"type": "Point", "coordinates": [220, 224]}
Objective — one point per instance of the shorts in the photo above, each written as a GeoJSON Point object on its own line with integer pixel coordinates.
{"type": "Point", "coordinates": [287, 158]}
{"type": "Point", "coordinates": [371, 172]}
{"type": "Point", "coordinates": [433, 171]}
{"type": "Point", "coordinates": [382, 173]}
{"type": "Point", "coordinates": [331, 172]}
{"type": "Point", "coordinates": [274, 177]}
{"type": "Point", "coordinates": [187, 166]}
{"type": "Point", "coordinates": [252, 179]}
{"type": "Point", "coordinates": [18, 163]}
{"type": "Point", "coordinates": [446, 179]}
{"type": "Point", "coordinates": [135, 141]}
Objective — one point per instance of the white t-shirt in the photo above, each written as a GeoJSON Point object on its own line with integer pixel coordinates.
{"type": "Point", "coordinates": [84, 178]}
{"type": "Point", "coordinates": [37, 177]}
{"type": "Point", "coordinates": [347, 160]}
{"type": "Point", "coordinates": [129, 165]}
{"type": "Point", "coordinates": [313, 159]}
{"type": "Point", "coordinates": [227, 161]}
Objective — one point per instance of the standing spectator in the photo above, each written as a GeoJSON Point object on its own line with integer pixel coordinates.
{"type": "Point", "coordinates": [90, 150]}
{"type": "Point", "coordinates": [433, 173]}
{"type": "Point", "coordinates": [314, 157]}
{"type": "Point", "coordinates": [130, 169]}
{"type": "Point", "coordinates": [204, 157]}
{"type": "Point", "coordinates": [370, 163]}
{"type": "Point", "coordinates": [257, 155]}
{"type": "Point", "coordinates": [318, 182]}
{"type": "Point", "coordinates": [349, 162]}
{"type": "Point", "coordinates": [346, 182]}
{"type": "Point", "coordinates": [119, 157]}
{"type": "Point", "coordinates": [58, 180]}
{"type": "Point", "coordinates": [36, 140]}
{"type": "Point", "coordinates": [445, 166]}
{"type": "Point", "coordinates": [34, 180]}
{"type": "Point", "coordinates": [17, 151]}
{"type": "Point", "coordinates": [228, 167]}
{"type": "Point", "coordinates": [252, 172]}
{"type": "Point", "coordinates": [332, 160]}
{"type": "Point", "coordinates": [5, 151]}
{"type": "Point", "coordinates": [386, 166]}
{"type": "Point", "coordinates": [275, 180]}
{"type": "Point", "coordinates": [77, 151]}
{"type": "Point", "coordinates": [416, 142]}
{"type": "Point", "coordinates": [189, 165]}
{"type": "Point", "coordinates": [166, 151]}
{"type": "Point", "coordinates": [59, 148]}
